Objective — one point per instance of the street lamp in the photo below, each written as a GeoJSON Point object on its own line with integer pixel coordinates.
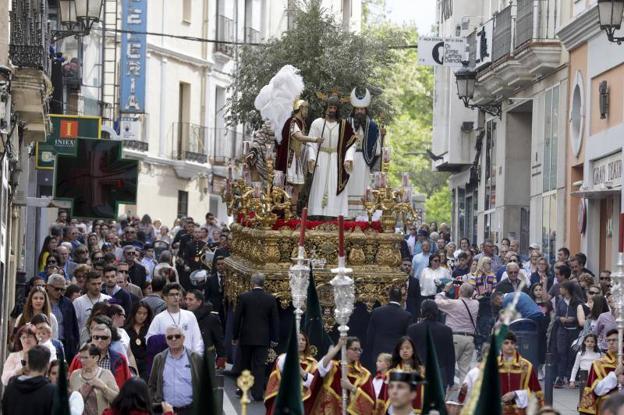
{"type": "Point", "coordinates": [610, 17]}
{"type": "Point", "coordinates": [77, 17]}
{"type": "Point", "coordinates": [466, 83]}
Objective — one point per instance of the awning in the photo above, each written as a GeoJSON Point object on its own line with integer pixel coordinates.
{"type": "Point", "coordinates": [596, 193]}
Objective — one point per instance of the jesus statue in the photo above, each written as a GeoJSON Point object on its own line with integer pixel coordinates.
{"type": "Point", "coordinates": [330, 162]}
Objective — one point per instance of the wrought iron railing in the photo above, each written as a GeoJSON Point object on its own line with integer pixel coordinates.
{"type": "Point", "coordinates": [501, 46]}
{"type": "Point", "coordinates": [531, 27]}
{"type": "Point", "coordinates": [189, 142]}
{"type": "Point", "coordinates": [252, 35]}
{"type": "Point", "coordinates": [226, 145]}
{"type": "Point", "coordinates": [29, 34]}
{"type": "Point", "coordinates": [226, 32]}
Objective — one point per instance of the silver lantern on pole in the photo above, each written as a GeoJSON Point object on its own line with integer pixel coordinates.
{"type": "Point", "coordinates": [299, 275]}
{"type": "Point", "coordinates": [344, 300]}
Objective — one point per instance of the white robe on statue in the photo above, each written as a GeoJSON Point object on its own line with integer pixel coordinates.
{"type": "Point", "coordinates": [325, 178]}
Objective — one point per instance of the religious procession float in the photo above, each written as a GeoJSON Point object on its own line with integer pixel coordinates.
{"type": "Point", "coordinates": [317, 199]}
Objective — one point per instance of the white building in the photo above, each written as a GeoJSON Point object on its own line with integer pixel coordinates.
{"type": "Point", "coordinates": [509, 172]}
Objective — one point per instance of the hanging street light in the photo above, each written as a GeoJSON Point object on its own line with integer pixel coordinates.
{"type": "Point", "coordinates": [610, 16]}
{"type": "Point", "coordinates": [466, 80]}
{"type": "Point", "coordinates": [76, 17]}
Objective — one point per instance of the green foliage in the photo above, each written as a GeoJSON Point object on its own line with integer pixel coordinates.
{"type": "Point", "coordinates": [327, 56]}
{"type": "Point", "coordinates": [438, 206]}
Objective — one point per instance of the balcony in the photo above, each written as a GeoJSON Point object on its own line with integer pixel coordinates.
{"type": "Point", "coordinates": [134, 134]}
{"type": "Point", "coordinates": [226, 145]}
{"type": "Point", "coordinates": [252, 35]}
{"type": "Point", "coordinates": [189, 142]}
{"type": "Point", "coordinates": [226, 32]}
{"type": "Point", "coordinates": [524, 48]}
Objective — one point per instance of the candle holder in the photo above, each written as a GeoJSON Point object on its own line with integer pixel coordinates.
{"type": "Point", "coordinates": [245, 381]}
{"type": "Point", "coordinates": [265, 200]}
{"type": "Point", "coordinates": [299, 275]}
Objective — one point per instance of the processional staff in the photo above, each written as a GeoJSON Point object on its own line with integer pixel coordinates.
{"type": "Point", "coordinates": [618, 293]}
{"type": "Point", "coordinates": [299, 274]}
{"type": "Point", "coordinates": [344, 299]}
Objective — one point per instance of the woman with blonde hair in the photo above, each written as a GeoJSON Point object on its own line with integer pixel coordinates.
{"type": "Point", "coordinates": [38, 303]}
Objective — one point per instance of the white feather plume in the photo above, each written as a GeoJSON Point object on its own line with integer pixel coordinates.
{"type": "Point", "coordinates": [275, 100]}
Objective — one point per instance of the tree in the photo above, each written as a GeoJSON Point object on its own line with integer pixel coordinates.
{"type": "Point", "coordinates": [438, 206]}
{"type": "Point", "coordinates": [327, 56]}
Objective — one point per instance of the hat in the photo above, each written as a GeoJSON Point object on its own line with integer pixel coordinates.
{"type": "Point", "coordinates": [534, 246]}
{"type": "Point", "coordinates": [360, 101]}
{"type": "Point", "coordinates": [412, 378]}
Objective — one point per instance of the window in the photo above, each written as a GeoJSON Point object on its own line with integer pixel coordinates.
{"type": "Point", "coordinates": [551, 128]}
{"type": "Point", "coordinates": [490, 223]}
{"type": "Point", "coordinates": [549, 226]}
{"type": "Point", "coordinates": [182, 203]}
{"type": "Point", "coordinates": [490, 166]}
{"type": "Point", "coordinates": [186, 10]}
{"type": "Point", "coordinates": [461, 213]}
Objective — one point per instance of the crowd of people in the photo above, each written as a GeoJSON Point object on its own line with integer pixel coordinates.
{"type": "Point", "coordinates": [131, 307]}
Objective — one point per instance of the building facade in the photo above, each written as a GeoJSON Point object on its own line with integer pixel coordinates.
{"type": "Point", "coordinates": [594, 136]}
{"type": "Point", "coordinates": [508, 171]}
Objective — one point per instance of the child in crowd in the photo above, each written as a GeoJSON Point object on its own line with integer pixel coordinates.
{"type": "Point", "coordinates": [584, 359]}
{"type": "Point", "coordinates": [384, 361]}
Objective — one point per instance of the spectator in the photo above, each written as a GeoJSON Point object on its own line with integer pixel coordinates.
{"type": "Point", "coordinates": [38, 303]}
{"type": "Point", "coordinates": [569, 317]}
{"type": "Point", "coordinates": [410, 242]}
{"type": "Point", "coordinates": [214, 287]}
{"type": "Point", "coordinates": [563, 255]}
{"type": "Point", "coordinates": [512, 283]}
{"type": "Point", "coordinates": [604, 324]}
{"type": "Point", "coordinates": [164, 235]}
{"type": "Point", "coordinates": [175, 373]}
{"type": "Point", "coordinates": [584, 358]}
{"type": "Point", "coordinates": [96, 384]}
{"type": "Point", "coordinates": [605, 281]}
{"type": "Point", "coordinates": [182, 318]}
{"type": "Point", "coordinates": [562, 274]}
{"type": "Point", "coordinates": [154, 300]}
{"type": "Point", "coordinates": [464, 246]}
{"type": "Point", "coordinates": [15, 364]}
{"type": "Point", "coordinates": [542, 300]}
{"type": "Point", "coordinates": [460, 318]}
{"type": "Point", "coordinates": [488, 251]}
{"type": "Point", "coordinates": [118, 320]}
{"type": "Point", "coordinates": [62, 254]}
{"type": "Point", "coordinates": [112, 289]}
{"type": "Point", "coordinates": [442, 338]}
{"type": "Point", "coordinates": [135, 399]}
{"type": "Point", "coordinates": [421, 259]}
{"type": "Point", "coordinates": [578, 265]}
{"type": "Point", "coordinates": [462, 265]}
{"type": "Point", "coordinates": [49, 246]}
{"type": "Point", "coordinates": [44, 336]}
{"type": "Point", "coordinates": [542, 274]}
{"type": "Point", "coordinates": [72, 293]}
{"type": "Point", "coordinates": [412, 301]}
{"type": "Point", "coordinates": [137, 325]}
{"type": "Point", "coordinates": [148, 261]}
{"type": "Point", "coordinates": [31, 394]}
{"type": "Point", "coordinates": [84, 304]}
{"type": "Point", "coordinates": [209, 326]}
{"type": "Point", "coordinates": [136, 272]}
{"type": "Point", "coordinates": [76, 403]}
{"type": "Point", "coordinates": [386, 326]}
{"type": "Point", "coordinates": [432, 277]}
{"type": "Point", "coordinates": [165, 263]}
{"type": "Point", "coordinates": [136, 293]}
{"type": "Point", "coordinates": [256, 327]}
{"type": "Point", "coordinates": [101, 336]}
{"type": "Point", "coordinates": [80, 275]}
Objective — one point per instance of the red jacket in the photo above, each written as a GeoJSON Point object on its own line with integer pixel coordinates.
{"type": "Point", "coordinates": [119, 367]}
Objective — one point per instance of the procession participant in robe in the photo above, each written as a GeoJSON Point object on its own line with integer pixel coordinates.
{"type": "Point", "coordinates": [291, 152]}
{"type": "Point", "coordinates": [361, 395]}
{"type": "Point", "coordinates": [518, 379]}
{"type": "Point", "coordinates": [309, 377]}
{"type": "Point", "coordinates": [603, 376]}
{"type": "Point", "coordinates": [259, 149]}
{"type": "Point", "coordinates": [402, 387]}
{"type": "Point", "coordinates": [404, 359]}
{"type": "Point", "coordinates": [331, 163]}
{"type": "Point", "coordinates": [367, 150]}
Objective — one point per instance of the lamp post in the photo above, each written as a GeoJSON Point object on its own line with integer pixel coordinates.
{"type": "Point", "coordinates": [610, 17]}
{"type": "Point", "coordinates": [77, 17]}
{"type": "Point", "coordinates": [299, 274]}
{"type": "Point", "coordinates": [466, 80]}
{"type": "Point", "coordinates": [344, 299]}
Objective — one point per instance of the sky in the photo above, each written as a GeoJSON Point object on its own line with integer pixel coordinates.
{"type": "Point", "coordinates": [420, 12]}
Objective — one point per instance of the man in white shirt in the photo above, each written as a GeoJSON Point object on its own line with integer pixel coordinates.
{"type": "Point", "coordinates": [84, 304]}
{"type": "Point", "coordinates": [175, 316]}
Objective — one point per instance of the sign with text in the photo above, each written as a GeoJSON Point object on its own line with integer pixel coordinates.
{"type": "Point", "coordinates": [608, 170]}
{"type": "Point", "coordinates": [66, 129]}
{"type": "Point", "coordinates": [133, 56]}
{"type": "Point", "coordinates": [438, 51]}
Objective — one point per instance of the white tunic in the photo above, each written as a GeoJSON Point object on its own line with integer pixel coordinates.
{"type": "Point", "coordinates": [323, 200]}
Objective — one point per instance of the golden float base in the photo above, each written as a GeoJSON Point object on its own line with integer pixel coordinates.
{"type": "Point", "coordinates": [374, 257]}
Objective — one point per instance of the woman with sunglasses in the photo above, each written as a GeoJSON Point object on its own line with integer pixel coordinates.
{"type": "Point", "coordinates": [359, 383]}
{"type": "Point", "coordinates": [49, 246]}
{"type": "Point", "coordinates": [433, 277]}
{"type": "Point", "coordinates": [96, 385]}
{"type": "Point", "coordinates": [38, 303]}
{"type": "Point", "coordinates": [15, 364]}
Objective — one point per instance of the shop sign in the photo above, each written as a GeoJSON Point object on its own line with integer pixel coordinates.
{"type": "Point", "coordinates": [608, 170]}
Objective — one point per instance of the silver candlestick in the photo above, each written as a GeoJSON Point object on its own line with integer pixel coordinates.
{"type": "Point", "coordinates": [299, 274]}
{"type": "Point", "coordinates": [344, 299]}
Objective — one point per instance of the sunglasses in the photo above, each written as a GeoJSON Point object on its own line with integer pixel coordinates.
{"type": "Point", "coordinates": [58, 289]}
{"type": "Point", "coordinates": [174, 336]}
{"type": "Point", "coordinates": [594, 292]}
{"type": "Point", "coordinates": [96, 337]}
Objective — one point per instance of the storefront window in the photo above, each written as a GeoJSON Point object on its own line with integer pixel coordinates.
{"type": "Point", "coordinates": [549, 226]}
{"type": "Point", "coordinates": [490, 166]}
